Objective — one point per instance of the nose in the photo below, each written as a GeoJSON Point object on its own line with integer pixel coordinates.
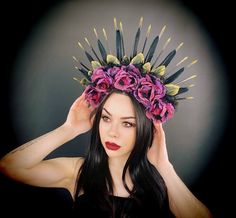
{"type": "Point", "coordinates": [113, 131]}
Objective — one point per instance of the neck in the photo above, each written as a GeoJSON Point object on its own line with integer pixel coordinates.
{"type": "Point", "coordinates": [117, 162]}
{"type": "Point", "coordinates": [116, 166]}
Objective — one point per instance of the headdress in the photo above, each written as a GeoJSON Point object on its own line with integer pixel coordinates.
{"type": "Point", "coordinates": [152, 85]}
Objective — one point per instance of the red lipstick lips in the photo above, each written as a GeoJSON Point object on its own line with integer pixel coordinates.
{"type": "Point", "coordinates": [112, 146]}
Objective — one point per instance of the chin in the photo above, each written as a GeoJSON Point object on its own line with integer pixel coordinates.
{"type": "Point", "coordinates": [116, 153]}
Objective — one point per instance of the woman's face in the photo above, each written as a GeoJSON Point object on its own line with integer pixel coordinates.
{"type": "Point", "coordinates": [117, 126]}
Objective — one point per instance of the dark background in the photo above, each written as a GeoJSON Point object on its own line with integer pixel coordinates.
{"type": "Point", "coordinates": [214, 187]}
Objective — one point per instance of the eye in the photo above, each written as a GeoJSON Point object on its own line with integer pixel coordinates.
{"type": "Point", "coordinates": [129, 124]}
{"type": "Point", "coordinates": [105, 118]}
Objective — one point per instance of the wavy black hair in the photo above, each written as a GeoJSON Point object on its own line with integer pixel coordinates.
{"type": "Point", "coordinates": [94, 177]}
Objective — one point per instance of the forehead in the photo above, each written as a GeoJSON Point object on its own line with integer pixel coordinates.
{"type": "Point", "coordinates": [119, 105]}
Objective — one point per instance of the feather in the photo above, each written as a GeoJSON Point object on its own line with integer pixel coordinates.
{"type": "Point", "coordinates": [147, 35]}
{"type": "Point", "coordinates": [86, 40]}
{"type": "Point", "coordinates": [182, 90]}
{"type": "Point", "coordinates": [174, 76]}
{"type": "Point", "coordinates": [89, 56]}
{"type": "Point", "coordinates": [152, 49]}
{"type": "Point", "coordinates": [136, 41]}
{"type": "Point", "coordinates": [122, 40]}
{"type": "Point", "coordinates": [85, 73]}
{"type": "Point", "coordinates": [168, 58]}
{"type": "Point", "coordinates": [118, 45]}
{"type": "Point", "coordinates": [102, 50]}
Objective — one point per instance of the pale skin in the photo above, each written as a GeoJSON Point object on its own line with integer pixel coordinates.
{"type": "Point", "coordinates": [115, 126]}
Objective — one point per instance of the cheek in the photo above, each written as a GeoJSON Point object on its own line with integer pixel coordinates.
{"type": "Point", "coordinates": [129, 136]}
{"type": "Point", "coordinates": [102, 130]}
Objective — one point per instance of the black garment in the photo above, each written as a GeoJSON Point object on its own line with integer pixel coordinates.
{"type": "Point", "coordinates": [85, 206]}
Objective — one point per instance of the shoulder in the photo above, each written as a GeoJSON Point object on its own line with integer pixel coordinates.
{"type": "Point", "coordinates": [70, 166]}
{"type": "Point", "coordinates": [78, 163]}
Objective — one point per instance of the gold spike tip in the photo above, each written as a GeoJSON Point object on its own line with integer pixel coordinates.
{"type": "Point", "coordinates": [166, 43]}
{"type": "Point", "coordinates": [162, 31]}
{"type": "Point", "coordinates": [121, 27]}
{"type": "Point", "coordinates": [180, 45]}
{"type": "Point", "coordinates": [80, 45]}
{"type": "Point", "coordinates": [75, 58]}
{"type": "Point", "coordinates": [141, 22]}
{"type": "Point", "coordinates": [76, 68]}
{"type": "Point", "coordinates": [95, 32]}
{"type": "Point", "coordinates": [184, 59]}
{"type": "Point", "coordinates": [86, 40]}
{"type": "Point", "coordinates": [192, 85]}
{"type": "Point", "coordinates": [115, 23]}
{"type": "Point", "coordinates": [74, 78]}
{"type": "Point", "coordinates": [149, 30]}
{"type": "Point", "coordinates": [191, 77]}
{"type": "Point", "coordinates": [190, 98]}
{"type": "Point", "coordinates": [105, 34]}
{"type": "Point", "coordinates": [192, 63]}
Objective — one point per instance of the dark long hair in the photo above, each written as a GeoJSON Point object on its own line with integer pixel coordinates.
{"type": "Point", "coordinates": [94, 177]}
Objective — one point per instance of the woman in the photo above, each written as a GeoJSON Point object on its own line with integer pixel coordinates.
{"type": "Point", "coordinates": [123, 161]}
{"type": "Point", "coordinates": [126, 171]}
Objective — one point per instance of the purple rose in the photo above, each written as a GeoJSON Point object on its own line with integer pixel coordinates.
{"type": "Point", "coordinates": [160, 89]}
{"type": "Point", "coordinates": [126, 81]}
{"type": "Point", "coordinates": [101, 79]}
{"type": "Point", "coordinates": [145, 92]}
{"type": "Point", "coordinates": [132, 68]}
{"type": "Point", "coordinates": [113, 71]}
{"type": "Point", "coordinates": [93, 96]}
{"type": "Point", "coordinates": [160, 111]}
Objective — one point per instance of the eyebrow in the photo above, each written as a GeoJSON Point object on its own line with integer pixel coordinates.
{"type": "Point", "coordinates": [129, 117]}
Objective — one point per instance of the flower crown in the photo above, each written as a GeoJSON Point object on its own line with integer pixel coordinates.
{"type": "Point", "coordinates": [136, 74]}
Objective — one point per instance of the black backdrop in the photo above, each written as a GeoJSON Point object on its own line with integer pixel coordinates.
{"type": "Point", "coordinates": [214, 187]}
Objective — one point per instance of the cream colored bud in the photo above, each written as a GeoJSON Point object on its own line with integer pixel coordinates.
{"type": "Point", "coordinates": [147, 67]}
{"type": "Point", "coordinates": [112, 59]}
{"type": "Point", "coordinates": [138, 59]}
{"type": "Point", "coordinates": [95, 65]}
{"type": "Point", "coordinates": [172, 89]}
{"type": "Point", "coordinates": [160, 71]}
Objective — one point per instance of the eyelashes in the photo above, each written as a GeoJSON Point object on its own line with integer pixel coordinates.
{"type": "Point", "coordinates": [124, 123]}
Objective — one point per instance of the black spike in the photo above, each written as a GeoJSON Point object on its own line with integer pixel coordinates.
{"type": "Point", "coordinates": [118, 45]}
{"type": "Point", "coordinates": [84, 66]}
{"type": "Point", "coordinates": [89, 56]}
{"type": "Point", "coordinates": [144, 45]}
{"type": "Point", "coordinates": [85, 73]}
{"type": "Point", "coordinates": [102, 50]}
{"type": "Point", "coordinates": [174, 76]}
{"type": "Point", "coordinates": [152, 49]}
{"type": "Point", "coordinates": [168, 58]}
{"type": "Point", "coordinates": [137, 36]}
{"type": "Point", "coordinates": [182, 90]}
{"type": "Point", "coordinates": [122, 45]}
